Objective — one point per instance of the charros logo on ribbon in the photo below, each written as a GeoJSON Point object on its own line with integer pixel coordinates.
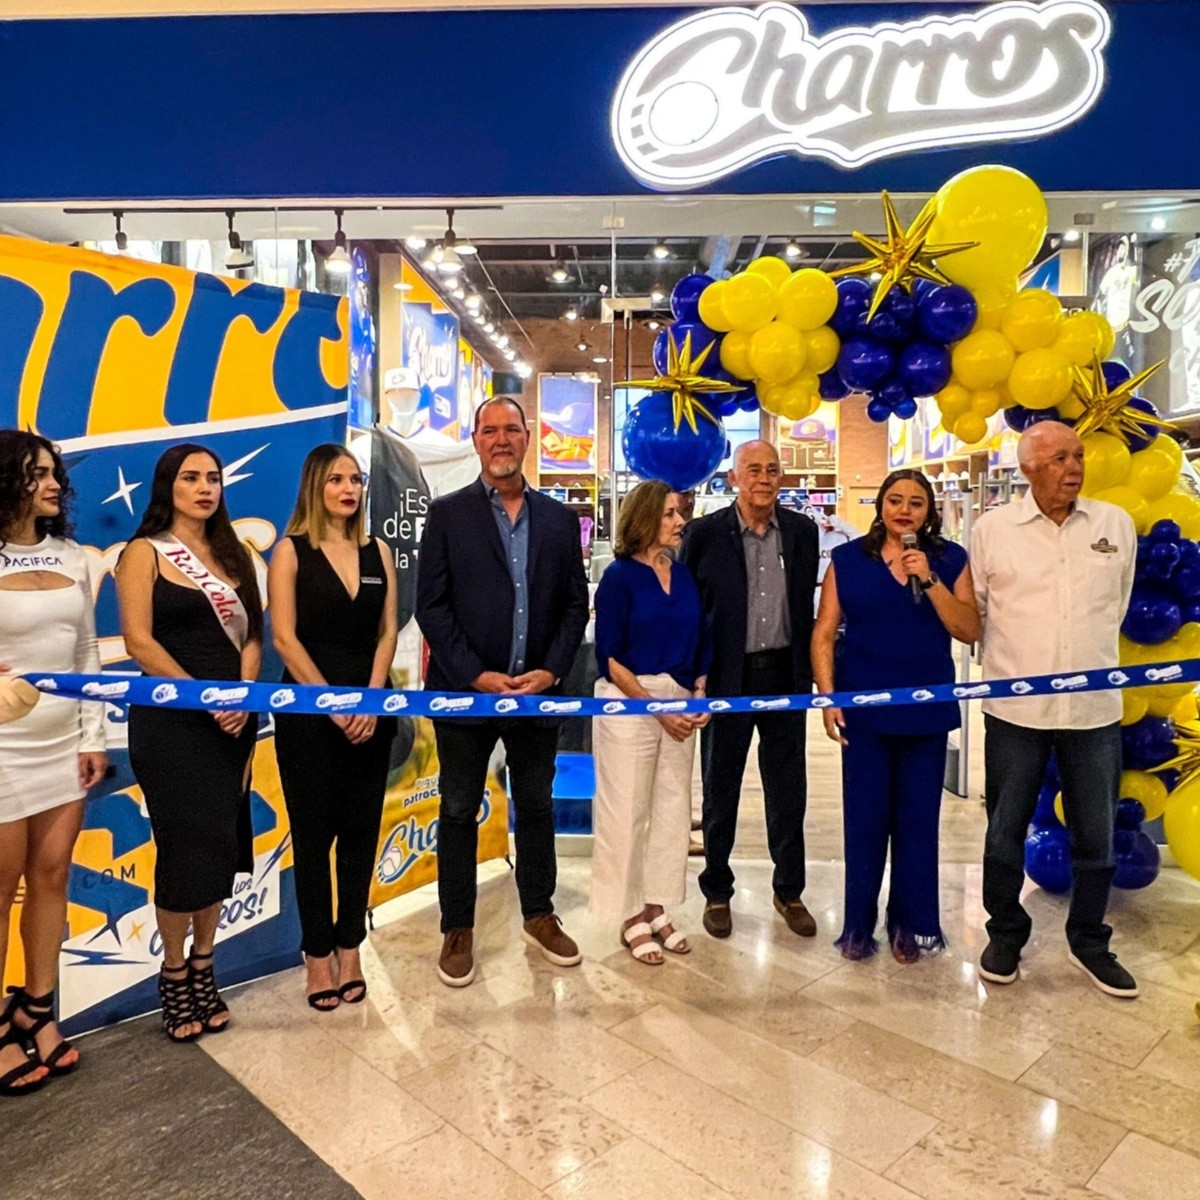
{"type": "Point", "coordinates": [725, 88]}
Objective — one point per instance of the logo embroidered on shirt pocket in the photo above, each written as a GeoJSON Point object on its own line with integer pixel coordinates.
{"type": "Point", "coordinates": [1104, 546]}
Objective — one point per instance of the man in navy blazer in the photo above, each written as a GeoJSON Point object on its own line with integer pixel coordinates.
{"type": "Point", "coordinates": [502, 600]}
{"type": "Point", "coordinates": [756, 565]}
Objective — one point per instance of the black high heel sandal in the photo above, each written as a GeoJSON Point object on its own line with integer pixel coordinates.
{"type": "Point", "coordinates": [209, 1004]}
{"type": "Point", "coordinates": [8, 1081]}
{"type": "Point", "coordinates": [40, 1011]}
{"type": "Point", "coordinates": [178, 1004]}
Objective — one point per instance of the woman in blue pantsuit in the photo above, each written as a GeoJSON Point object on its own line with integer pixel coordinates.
{"type": "Point", "coordinates": [897, 633]}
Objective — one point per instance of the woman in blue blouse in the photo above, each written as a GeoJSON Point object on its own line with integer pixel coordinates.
{"type": "Point", "coordinates": [650, 644]}
{"type": "Point", "coordinates": [901, 607]}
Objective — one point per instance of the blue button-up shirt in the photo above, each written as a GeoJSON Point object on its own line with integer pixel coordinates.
{"type": "Point", "coordinates": [514, 537]}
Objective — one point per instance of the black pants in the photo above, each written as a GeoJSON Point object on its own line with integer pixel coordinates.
{"type": "Point", "coordinates": [724, 745]}
{"type": "Point", "coordinates": [334, 792]}
{"type": "Point", "coordinates": [463, 751]}
{"type": "Point", "coordinates": [1089, 763]}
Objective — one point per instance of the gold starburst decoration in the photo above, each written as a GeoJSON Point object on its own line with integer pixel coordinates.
{"type": "Point", "coordinates": [1187, 761]}
{"type": "Point", "coordinates": [904, 257]}
{"type": "Point", "coordinates": [1107, 409]}
{"type": "Point", "coordinates": [684, 379]}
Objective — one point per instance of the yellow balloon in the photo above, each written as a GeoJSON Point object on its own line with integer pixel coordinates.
{"type": "Point", "coordinates": [776, 352]}
{"type": "Point", "coordinates": [772, 397]}
{"type": "Point", "coordinates": [1187, 709]}
{"type": "Point", "coordinates": [1039, 378]}
{"type": "Point", "coordinates": [948, 423]}
{"type": "Point", "coordinates": [1105, 462]}
{"type": "Point", "coordinates": [1185, 644]}
{"type": "Point", "coordinates": [1163, 699]}
{"type": "Point", "coordinates": [1032, 320]}
{"type": "Point", "coordinates": [1002, 210]}
{"type": "Point", "coordinates": [1134, 503]}
{"type": "Point", "coordinates": [750, 301]}
{"type": "Point", "coordinates": [807, 299]}
{"type": "Point", "coordinates": [712, 307]}
{"type": "Point", "coordinates": [987, 402]}
{"type": "Point", "coordinates": [1106, 339]}
{"type": "Point", "coordinates": [1181, 823]}
{"type": "Point", "coordinates": [953, 400]}
{"type": "Point", "coordinates": [1184, 510]}
{"type": "Point", "coordinates": [992, 300]}
{"type": "Point", "coordinates": [1133, 706]}
{"type": "Point", "coordinates": [1070, 406]}
{"type": "Point", "coordinates": [1155, 470]}
{"type": "Point", "coordinates": [735, 354]}
{"type": "Point", "coordinates": [823, 347]}
{"type": "Point", "coordinates": [807, 381]}
{"type": "Point", "coordinates": [970, 428]}
{"type": "Point", "coordinates": [1147, 789]}
{"type": "Point", "coordinates": [1058, 809]}
{"type": "Point", "coordinates": [1077, 340]}
{"type": "Point", "coordinates": [774, 270]}
{"type": "Point", "coordinates": [796, 404]}
{"type": "Point", "coordinates": [983, 359]}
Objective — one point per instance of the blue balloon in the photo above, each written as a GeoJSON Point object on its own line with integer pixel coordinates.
{"type": "Point", "coordinates": [1048, 858]}
{"type": "Point", "coordinates": [1189, 552]}
{"type": "Point", "coordinates": [1136, 858]}
{"type": "Point", "coordinates": [1189, 610]}
{"type": "Point", "coordinates": [893, 394]}
{"type": "Point", "coordinates": [1115, 372]}
{"type": "Point", "coordinates": [924, 368]}
{"type": "Point", "coordinates": [1161, 561]}
{"type": "Point", "coordinates": [832, 387]}
{"type": "Point", "coordinates": [906, 408]}
{"type": "Point", "coordinates": [655, 450]}
{"type": "Point", "coordinates": [854, 298]}
{"type": "Point", "coordinates": [1185, 582]}
{"type": "Point", "coordinates": [1151, 618]}
{"type": "Point", "coordinates": [946, 314]}
{"type": "Point", "coordinates": [878, 411]}
{"type": "Point", "coordinates": [1165, 531]}
{"type": "Point", "coordinates": [749, 400]}
{"type": "Point", "coordinates": [1148, 432]}
{"type": "Point", "coordinates": [1130, 814]}
{"type": "Point", "coordinates": [864, 364]}
{"type": "Point", "coordinates": [658, 354]}
{"type": "Point", "coordinates": [726, 404]}
{"type": "Point", "coordinates": [895, 321]}
{"type": "Point", "coordinates": [1148, 743]}
{"type": "Point", "coordinates": [678, 333]}
{"type": "Point", "coordinates": [1016, 417]}
{"type": "Point", "coordinates": [685, 297]}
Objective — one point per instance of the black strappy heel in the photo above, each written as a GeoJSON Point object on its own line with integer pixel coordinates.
{"type": "Point", "coordinates": [209, 1004]}
{"type": "Point", "coordinates": [40, 1011]}
{"type": "Point", "coordinates": [178, 1004]}
{"type": "Point", "coordinates": [8, 1081]}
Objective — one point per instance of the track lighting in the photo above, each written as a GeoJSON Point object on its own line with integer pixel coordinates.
{"type": "Point", "coordinates": [338, 262]}
{"type": "Point", "coordinates": [237, 259]}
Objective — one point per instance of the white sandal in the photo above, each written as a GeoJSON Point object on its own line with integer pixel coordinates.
{"type": "Point", "coordinates": [642, 950]}
{"type": "Point", "coordinates": [676, 941]}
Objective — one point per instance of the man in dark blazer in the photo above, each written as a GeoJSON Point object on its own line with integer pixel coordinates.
{"type": "Point", "coordinates": [502, 600]}
{"type": "Point", "coordinates": [756, 566]}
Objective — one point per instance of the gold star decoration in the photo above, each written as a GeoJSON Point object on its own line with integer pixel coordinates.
{"type": "Point", "coordinates": [1107, 409]}
{"type": "Point", "coordinates": [683, 379]}
{"type": "Point", "coordinates": [904, 257]}
{"type": "Point", "coordinates": [1187, 761]}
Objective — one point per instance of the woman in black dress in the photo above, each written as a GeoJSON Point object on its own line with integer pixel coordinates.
{"type": "Point", "coordinates": [333, 618]}
{"type": "Point", "coordinates": [190, 609]}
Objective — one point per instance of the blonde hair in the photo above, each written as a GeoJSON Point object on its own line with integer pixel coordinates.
{"type": "Point", "coordinates": [641, 518]}
{"type": "Point", "coordinates": [309, 518]}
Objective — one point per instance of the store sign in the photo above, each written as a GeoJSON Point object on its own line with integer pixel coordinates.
{"type": "Point", "coordinates": [729, 87]}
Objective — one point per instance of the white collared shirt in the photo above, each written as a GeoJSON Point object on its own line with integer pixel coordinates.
{"type": "Point", "coordinates": [1052, 598]}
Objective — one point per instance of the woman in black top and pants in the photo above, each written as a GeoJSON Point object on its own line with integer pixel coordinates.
{"type": "Point", "coordinates": [332, 593]}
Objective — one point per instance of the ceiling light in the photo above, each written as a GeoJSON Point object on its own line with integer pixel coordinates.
{"type": "Point", "coordinates": [338, 262]}
{"type": "Point", "coordinates": [474, 299]}
{"type": "Point", "coordinates": [793, 249]}
{"type": "Point", "coordinates": [122, 237]}
{"type": "Point", "coordinates": [1133, 237]}
{"type": "Point", "coordinates": [480, 318]}
{"type": "Point", "coordinates": [523, 369]}
{"type": "Point", "coordinates": [582, 346]}
{"type": "Point", "coordinates": [510, 354]}
{"type": "Point", "coordinates": [653, 324]}
{"type": "Point", "coordinates": [599, 358]}
{"type": "Point", "coordinates": [402, 285]}
{"type": "Point", "coordinates": [660, 250]}
{"type": "Point", "coordinates": [458, 292]}
{"type": "Point", "coordinates": [657, 296]}
{"type": "Point", "coordinates": [1158, 224]}
{"type": "Point", "coordinates": [560, 274]}
{"type": "Point", "coordinates": [237, 259]}
{"type": "Point", "coordinates": [452, 242]}
{"type": "Point", "coordinates": [431, 260]}
{"type": "Point", "coordinates": [449, 263]}
{"type": "Point", "coordinates": [502, 340]}
{"type": "Point", "coordinates": [875, 276]}
{"type": "Point", "coordinates": [1071, 235]}
{"type": "Point", "coordinates": [572, 313]}
{"type": "Point", "coordinates": [488, 327]}
{"type": "Point", "coordinates": [415, 241]}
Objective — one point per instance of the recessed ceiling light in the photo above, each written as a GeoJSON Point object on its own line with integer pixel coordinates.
{"type": "Point", "coordinates": [599, 358]}
{"type": "Point", "coordinates": [1158, 224]}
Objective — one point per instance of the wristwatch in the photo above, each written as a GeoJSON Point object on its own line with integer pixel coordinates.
{"type": "Point", "coordinates": [932, 581]}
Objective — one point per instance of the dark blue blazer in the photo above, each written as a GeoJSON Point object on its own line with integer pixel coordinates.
{"type": "Point", "coordinates": [465, 595]}
{"type": "Point", "coordinates": [712, 548]}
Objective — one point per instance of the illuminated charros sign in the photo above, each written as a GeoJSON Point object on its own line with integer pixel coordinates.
{"type": "Point", "coordinates": [732, 86]}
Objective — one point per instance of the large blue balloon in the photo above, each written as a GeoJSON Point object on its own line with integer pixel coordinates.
{"type": "Point", "coordinates": [654, 450]}
{"type": "Point", "coordinates": [854, 298]}
{"type": "Point", "coordinates": [1151, 617]}
{"type": "Point", "coordinates": [1048, 858]}
{"type": "Point", "coordinates": [1148, 743]}
{"type": "Point", "coordinates": [924, 368]}
{"type": "Point", "coordinates": [832, 387]}
{"type": "Point", "coordinates": [895, 320]}
{"type": "Point", "coordinates": [678, 333]}
{"type": "Point", "coordinates": [864, 364]}
{"type": "Point", "coordinates": [946, 314]}
{"type": "Point", "coordinates": [1115, 372]}
{"type": "Point", "coordinates": [685, 297]}
{"type": "Point", "coordinates": [1136, 858]}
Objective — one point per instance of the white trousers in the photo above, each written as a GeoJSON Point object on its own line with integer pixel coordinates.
{"type": "Point", "coordinates": [642, 812]}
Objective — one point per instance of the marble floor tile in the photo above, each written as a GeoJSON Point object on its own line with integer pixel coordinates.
{"type": "Point", "coordinates": [530, 1126]}
{"type": "Point", "coordinates": [857, 1121]}
{"type": "Point", "coordinates": [634, 1171]}
{"type": "Point", "coordinates": [445, 1165]}
{"type": "Point", "coordinates": [1176, 1058]}
{"type": "Point", "coordinates": [1141, 1169]}
{"type": "Point", "coordinates": [1153, 1107]}
{"type": "Point", "coordinates": [1014, 1119]}
{"type": "Point", "coordinates": [741, 1151]}
{"type": "Point", "coordinates": [592, 990]}
{"type": "Point", "coordinates": [950, 1164]}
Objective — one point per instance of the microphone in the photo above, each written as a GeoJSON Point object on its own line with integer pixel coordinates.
{"type": "Point", "coordinates": [909, 542]}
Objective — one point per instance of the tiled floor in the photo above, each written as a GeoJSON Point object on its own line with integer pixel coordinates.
{"type": "Point", "coordinates": [765, 1066]}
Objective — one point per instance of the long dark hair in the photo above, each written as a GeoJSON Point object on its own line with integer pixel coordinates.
{"type": "Point", "coordinates": [929, 536]}
{"type": "Point", "coordinates": [18, 459]}
{"type": "Point", "coordinates": [229, 552]}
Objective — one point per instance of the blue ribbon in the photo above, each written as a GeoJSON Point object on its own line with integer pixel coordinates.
{"type": "Point", "coordinates": [344, 701]}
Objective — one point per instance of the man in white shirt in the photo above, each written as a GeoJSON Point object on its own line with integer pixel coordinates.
{"type": "Point", "coordinates": [1053, 572]}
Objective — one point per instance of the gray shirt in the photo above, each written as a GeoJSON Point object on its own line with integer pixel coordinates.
{"type": "Point", "coordinates": [767, 623]}
{"type": "Point", "coordinates": [514, 536]}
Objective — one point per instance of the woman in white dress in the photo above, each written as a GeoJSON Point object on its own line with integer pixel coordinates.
{"type": "Point", "coordinates": [50, 757]}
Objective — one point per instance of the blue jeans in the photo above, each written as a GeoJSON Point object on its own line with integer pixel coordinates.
{"type": "Point", "coordinates": [1089, 763]}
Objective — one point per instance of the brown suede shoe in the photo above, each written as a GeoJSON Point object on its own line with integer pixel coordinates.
{"type": "Point", "coordinates": [799, 920]}
{"type": "Point", "coordinates": [718, 919]}
{"type": "Point", "coordinates": [548, 935]}
{"type": "Point", "coordinates": [456, 966]}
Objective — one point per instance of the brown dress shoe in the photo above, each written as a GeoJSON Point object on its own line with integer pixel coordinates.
{"type": "Point", "coordinates": [456, 966]}
{"type": "Point", "coordinates": [799, 920]}
{"type": "Point", "coordinates": [718, 919]}
{"type": "Point", "coordinates": [695, 849]}
{"type": "Point", "coordinates": [548, 935]}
